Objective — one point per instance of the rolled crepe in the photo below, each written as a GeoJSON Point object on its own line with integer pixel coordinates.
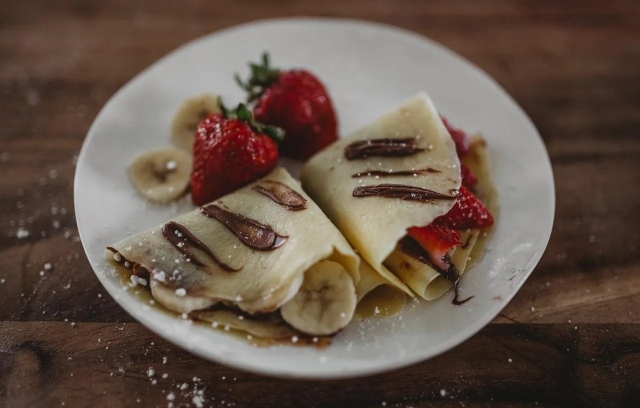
{"type": "Point", "coordinates": [377, 296]}
{"type": "Point", "coordinates": [401, 171]}
{"type": "Point", "coordinates": [248, 250]}
{"type": "Point", "coordinates": [477, 159]}
{"type": "Point", "coordinates": [424, 278]}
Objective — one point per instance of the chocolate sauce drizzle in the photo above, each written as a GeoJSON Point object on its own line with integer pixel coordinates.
{"type": "Point", "coordinates": [135, 267]}
{"type": "Point", "coordinates": [402, 192]}
{"type": "Point", "coordinates": [179, 236]}
{"type": "Point", "coordinates": [467, 242]}
{"type": "Point", "coordinates": [361, 149]}
{"type": "Point", "coordinates": [122, 260]}
{"type": "Point", "coordinates": [410, 247]}
{"type": "Point", "coordinates": [393, 173]}
{"type": "Point", "coordinates": [281, 194]}
{"type": "Point", "coordinates": [250, 232]}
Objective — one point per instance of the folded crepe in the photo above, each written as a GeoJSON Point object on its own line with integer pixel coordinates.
{"type": "Point", "coordinates": [264, 249]}
{"type": "Point", "coordinates": [377, 296]}
{"type": "Point", "coordinates": [399, 172]}
{"type": "Point", "coordinates": [423, 277]}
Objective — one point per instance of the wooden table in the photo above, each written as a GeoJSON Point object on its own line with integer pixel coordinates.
{"type": "Point", "coordinates": [571, 337]}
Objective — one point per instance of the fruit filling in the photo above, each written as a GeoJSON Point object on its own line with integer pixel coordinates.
{"type": "Point", "coordinates": [442, 236]}
{"type": "Point", "coordinates": [437, 240]}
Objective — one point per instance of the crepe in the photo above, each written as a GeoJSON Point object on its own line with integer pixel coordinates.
{"type": "Point", "coordinates": [401, 171]}
{"type": "Point", "coordinates": [477, 159]}
{"type": "Point", "coordinates": [249, 251]}
{"type": "Point", "coordinates": [375, 224]}
{"type": "Point", "coordinates": [377, 296]}
{"type": "Point", "coordinates": [424, 279]}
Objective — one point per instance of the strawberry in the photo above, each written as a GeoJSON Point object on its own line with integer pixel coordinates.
{"type": "Point", "coordinates": [460, 138]}
{"type": "Point", "coordinates": [296, 101]}
{"type": "Point", "coordinates": [468, 178]}
{"type": "Point", "coordinates": [231, 150]}
{"type": "Point", "coordinates": [444, 233]}
{"type": "Point", "coordinates": [468, 212]}
{"type": "Point", "coordinates": [436, 239]}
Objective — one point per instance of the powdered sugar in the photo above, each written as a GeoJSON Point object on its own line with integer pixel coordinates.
{"type": "Point", "coordinates": [22, 233]}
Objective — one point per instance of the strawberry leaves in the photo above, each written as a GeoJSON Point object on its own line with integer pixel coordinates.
{"type": "Point", "coordinates": [262, 76]}
{"type": "Point", "coordinates": [242, 113]}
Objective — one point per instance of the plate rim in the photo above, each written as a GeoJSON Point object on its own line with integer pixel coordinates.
{"type": "Point", "coordinates": [413, 359]}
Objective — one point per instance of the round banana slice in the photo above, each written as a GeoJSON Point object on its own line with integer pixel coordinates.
{"type": "Point", "coordinates": [189, 115]}
{"type": "Point", "coordinates": [161, 175]}
{"type": "Point", "coordinates": [325, 303]}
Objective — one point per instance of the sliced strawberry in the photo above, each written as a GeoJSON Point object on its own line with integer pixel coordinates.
{"type": "Point", "coordinates": [468, 178]}
{"type": "Point", "coordinates": [436, 240]}
{"type": "Point", "coordinates": [468, 212]}
{"type": "Point", "coordinates": [460, 138]}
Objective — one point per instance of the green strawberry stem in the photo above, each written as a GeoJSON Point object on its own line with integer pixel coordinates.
{"type": "Point", "coordinates": [262, 76]}
{"type": "Point", "coordinates": [243, 113]}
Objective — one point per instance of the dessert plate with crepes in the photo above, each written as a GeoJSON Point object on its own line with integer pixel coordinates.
{"type": "Point", "coordinates": [332, 267]}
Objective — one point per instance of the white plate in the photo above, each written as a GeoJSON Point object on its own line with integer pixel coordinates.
{"type": "Point", "coordinates": [368, 69]}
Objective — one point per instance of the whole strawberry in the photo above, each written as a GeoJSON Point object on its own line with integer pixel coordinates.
{"type": "Point", "coordinates": [231, 150]}
{"type": "Point", "coordinates": [296, 101]}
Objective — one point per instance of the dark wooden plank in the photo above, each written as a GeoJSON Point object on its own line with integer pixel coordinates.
{"type": "Point", "coordinates": [46, 364]}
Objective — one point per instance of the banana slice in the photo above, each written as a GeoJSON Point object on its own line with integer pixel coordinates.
{"type": "Point", "coordinates": [161, 175]}
{"type": "Point", "coordinates": [177, 301]}
{"type": "Point", "coordinates": [189, 115]}
{"type": "Point", "coordinates": [325, 303]}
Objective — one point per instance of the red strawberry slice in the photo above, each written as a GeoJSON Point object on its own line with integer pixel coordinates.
{"type": "Point", "coordinates": [460, 138]}
{"type": "Point", "coordinates": [468, 212]}
{"type": "Point", "coordinates": [436, 240]}
{"type": "Point", "coordinates": [468, 178]}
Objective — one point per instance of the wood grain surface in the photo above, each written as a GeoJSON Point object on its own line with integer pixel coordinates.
{"type": "Point", "coordinates": [571, 337]}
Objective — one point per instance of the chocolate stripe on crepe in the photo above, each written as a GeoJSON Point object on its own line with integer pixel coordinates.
{"type": "Point", "coordinates": [281, 194]}
{"type": "Point", "coordinates": [361, 149]}
{"type": "Point", "coordinates": [250, 232]}
{"type": "Point", "coordinates": [467, 242]}
{"type": "Point", "coordinates": [410, 247]}
{"type": "Point", "coordinates": [119, 258]}
{"type": "Point", "coordinates": [402, 192]}
{"type": "Point", "coordinates": [179, 236]}
{"type": "Point", "coordinates": [392, 173]}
